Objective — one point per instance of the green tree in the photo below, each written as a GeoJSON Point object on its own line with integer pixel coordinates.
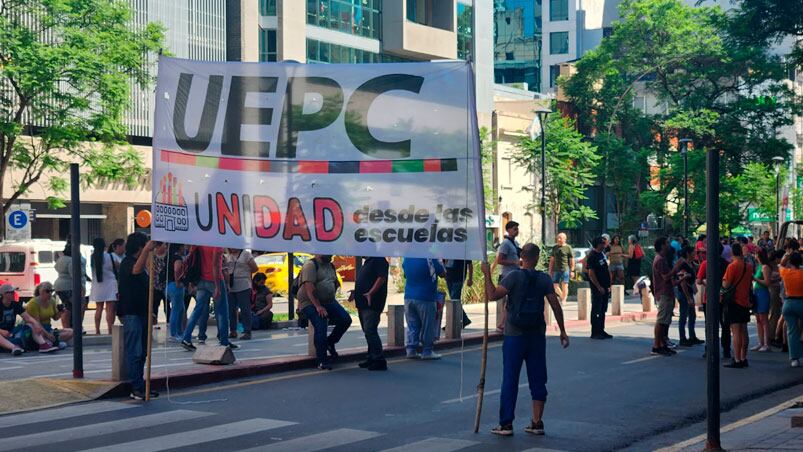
{"type": "Point", "coordinates": [622, 169]}
{"type": "Point", "coordinates": [698, 82]}
{"type": "Point", "coordinates": [763, 22]}
{"type": "Point", "coordinates": [66, 68]}
{"type": "Point", "coordinates": [571, 162]}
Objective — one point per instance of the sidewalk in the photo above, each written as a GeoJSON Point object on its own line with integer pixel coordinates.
{"type": "Point", "coordinates": [769, 430]}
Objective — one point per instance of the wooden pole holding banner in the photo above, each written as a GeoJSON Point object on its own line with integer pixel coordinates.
{"type": "Point", "coordinates": [150, 330]}
{"type": "Point", "coordinates": [483, 364]}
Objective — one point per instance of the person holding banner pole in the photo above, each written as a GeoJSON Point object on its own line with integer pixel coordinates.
{"type": "Point", "coordinates": [133, 285]}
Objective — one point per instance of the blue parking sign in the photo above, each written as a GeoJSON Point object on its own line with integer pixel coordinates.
{"type": "Point", "coordinates": [17, 219]}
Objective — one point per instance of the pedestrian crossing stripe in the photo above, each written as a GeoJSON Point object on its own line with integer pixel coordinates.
{"type": "Point", "coordinates": [318, 441]}
{"type": "Point", "coordinates": [84, 409]}
{"type": "Point", "coordinates": [434, 445]}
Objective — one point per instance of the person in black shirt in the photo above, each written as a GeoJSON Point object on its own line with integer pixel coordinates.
{"type": "Point", "coordinates": [370, 293]}
{"type": "Point", "coordinates": [600, 278]}
{"type": "Point", "coordinates": [456, 270]}
{"type": "Point", "coordinates": [133, 309]}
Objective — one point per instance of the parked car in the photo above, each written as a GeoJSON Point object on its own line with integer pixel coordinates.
{"type": "Point", "coordinates": [274, 266]}
{"type": "Point", "coordinates": [579, 260]}
{"type": "Point", "coordinates": [25, 264]}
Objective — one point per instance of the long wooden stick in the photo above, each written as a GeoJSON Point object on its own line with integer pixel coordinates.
{"type": "Point", "coordinates": [483, 365]}
{"type": "Point", "coordinates": [150, 330]}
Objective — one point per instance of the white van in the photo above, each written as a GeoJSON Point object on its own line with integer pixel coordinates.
{"type": "Point", "coordinates": [26, 263]}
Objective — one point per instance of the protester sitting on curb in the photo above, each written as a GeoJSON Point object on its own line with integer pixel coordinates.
{"type": "Point", "coordinates": [316, 300]}
{"type": "Point", "coordinates": [263, 303]}
{"type": "Point", "coordinates": [792, 276]}
{"type": "Point", "coordinates": [26, 336]}
{"type": "Point", "coordinates": [420, 305]}
{"type": "Point", "coordinates": [525, 336]}
{"type": "Point", "coordinates": [133, 286]}
{"type": "Point", "coordinates": [370, 293]}
{"type": "Point", "coordinates": [43, 308]}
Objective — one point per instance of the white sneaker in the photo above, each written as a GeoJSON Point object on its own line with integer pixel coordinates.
{"type": "Point", "coordinates": [430, 356]}
{"type": "Point", "coordinates": [755, 348]}
{"type": "Point", "coordinates": [795, 363]}
{"type": "Point", "coordinates": [765, 348]}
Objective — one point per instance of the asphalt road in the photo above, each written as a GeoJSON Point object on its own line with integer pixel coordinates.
{"type": "Point", "coordinates": [604, 395]}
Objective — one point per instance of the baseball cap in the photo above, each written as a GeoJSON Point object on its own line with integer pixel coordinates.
{"type": "Point", "coordinates": [7, 288]}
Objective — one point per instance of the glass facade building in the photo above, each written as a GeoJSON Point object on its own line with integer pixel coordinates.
{"type": "Point", "coordinates": [517, 43]}
{"type": "Point", "coordinates": [465, 30]}
{"type": "Point", "coordinates": [357, 17]}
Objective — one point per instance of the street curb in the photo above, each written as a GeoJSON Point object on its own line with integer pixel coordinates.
{"type": "Point", "coordinates": [217, 374]}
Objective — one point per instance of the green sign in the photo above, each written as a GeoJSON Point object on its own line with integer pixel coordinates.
{"type": "Point", "coordinates": [756, 215]}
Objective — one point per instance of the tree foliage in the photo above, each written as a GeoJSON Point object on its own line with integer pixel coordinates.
{"type": "Point", "coordinates": [763, 22]}
{"type": "Point", "coordinates": [571, 162]}
{"type": "Point", "coordinates": [698, 81]}
{"type": "Point", "coordinates": [66, 71]}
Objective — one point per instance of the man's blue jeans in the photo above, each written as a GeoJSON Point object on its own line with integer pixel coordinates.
{"type": "Point", "coordinates": [200, 314]}
{"type": "Point", "coordinates": [338, 316]}
{"type": "Point", "coordinates": [175, 296]}
{"type": "Point", "coordinates": [792, 313]}
{"type": "Point", "coordinates": [687, 314]}
{"type": "Point", "coordinates": [135, 341]}
{"type": "Point", "coordinates": [529, 348]}
{"type": "Point", "coordinates": [420, 316]}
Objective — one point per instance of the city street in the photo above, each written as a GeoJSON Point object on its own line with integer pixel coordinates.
{"type": "Point", "coordinates": [604, 395]}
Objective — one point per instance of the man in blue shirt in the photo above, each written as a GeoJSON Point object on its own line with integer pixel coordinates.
{"type": "Point", "coordinates": [420, 293]}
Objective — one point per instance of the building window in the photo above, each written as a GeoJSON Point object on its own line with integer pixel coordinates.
{"type": "Point", "coordinates": [325, 52]}
{"type": "Point", "coordinates": [465, 30]}
{"type": "Point", "coordinates": [558, 10]}
{"type": "Point", "coordinates": [267, 7]}
{"type": "Point", "coordinates": [559, 43]}
{"type": "Point", "coordinates": [267, 45]}
{"type": "Point", "coordinates": [356, 17]}
{"type": "Point", "coordinates": [607, 32]}
{"type": "Point", "coordinates": [554, 72]}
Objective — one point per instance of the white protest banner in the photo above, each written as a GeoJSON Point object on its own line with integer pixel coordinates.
{"type": "Point", "coordinates": [365, 160]}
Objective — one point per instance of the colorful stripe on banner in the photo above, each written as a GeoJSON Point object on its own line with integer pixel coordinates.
{"type": "Point", "coordinates": [311, 166]}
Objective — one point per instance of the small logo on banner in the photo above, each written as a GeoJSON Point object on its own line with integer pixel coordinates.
{"type": "Point", "coordinates": [170, 208]}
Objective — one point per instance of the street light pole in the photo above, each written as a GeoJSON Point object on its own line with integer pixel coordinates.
{"type": "Point", "coordinates": [778, 161]}
{"type": "Point", "coordinates": [684, 144]}
{"type": "Point", "coordinates": [713, 280]}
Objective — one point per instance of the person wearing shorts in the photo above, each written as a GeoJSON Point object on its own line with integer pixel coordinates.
{"type": "Point", "coordinates": [25, 336]}
{"type": "Point", "coordinates": [662, 274]}
{"type": "Point", "coordinates": [561, 265]}
{"type": "Point", "coordinates": [738, 278]}
{"type": "Point", "coordinates": [762, 280]}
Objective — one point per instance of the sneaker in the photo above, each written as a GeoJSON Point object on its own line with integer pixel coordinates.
{"type": "Point", "coordinates": [535, 428]}
{"type": "Point", "coordinates": [597, 337]}
{"type": "Point", "coordinates": [671, 352]}
{"type": "Point", "coordinates": [202, 341]}
{"type": "Point", "coordinates": [47, 347]}
{"type": "Point", "coordinates": [137, 395]}
{"type": "Point", "coordinates": [187, 345]}
{"type": "Point", "coordinates": [765, 349]}
{"type": "Point", "coordinates": [154, 394]}
{"type": "Point", "coordinates": [413, 355]}
{"type": "Point", "coordinates": [663, 351]}
{"type": "Point", "coordinates": [671, 344]}
{"type": "Point", "coordinates": [686, 342]}
{"type": "Point", "coordinates": [323, 366]}
{"type": "Point", "coordinates": [695, 341]}
{"type": "Point", "coordinates": [430, 356]}
{"type": "Point", "coordinates": [606, 335]}
{"type": "Point", "coordinates": [755, 348]}
{"type": "Point", "coordinates": [379, 365]}
{"type": "Point", "coordinates": [233, 335]}
{"type": "Point", "coordinates": [232, 346]}
{"type": "Point", "coordinates": [245, 337]}
{"type": "Point", "coordinates": [366, 364]}
{"type": "Point", "coordinates": [18, 351]}
{"type": "Point", "coordinates": [503, 430]}
{"type": "Point", "coordinates": [793, 363]}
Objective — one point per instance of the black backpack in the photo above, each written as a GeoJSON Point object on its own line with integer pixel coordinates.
{"type": "Point", "coordinates": [193, 273]}
{"type": "Point", "coordinates": [528, 315]}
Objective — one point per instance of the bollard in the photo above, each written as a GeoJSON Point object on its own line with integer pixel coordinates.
{"type": "Point", "coordinates": [454, 319]}
{"type": "Point", "coordinates": [119, 369]}
{"type": "Point", "coordinates": [646, 299]}
{"type": "Point", "coordinates": [396, 325]}
{"type": "Point", "coordinates": [618, 298]}
{"type": "Point", "coordinates": [583, 303]}
{"type": "Point", "coordinates": [311, 340]}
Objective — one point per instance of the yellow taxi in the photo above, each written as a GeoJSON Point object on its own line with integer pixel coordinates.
{"type": "Point", "coordinates": [274, 266]}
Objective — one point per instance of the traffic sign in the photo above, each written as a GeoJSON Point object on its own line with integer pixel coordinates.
{"type": "Point", "coordinates": [18, 219]}
{"type": "Point", "coordinates": [18, 222]}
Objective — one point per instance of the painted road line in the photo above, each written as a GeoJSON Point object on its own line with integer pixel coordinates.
{"type": "Point", "coordinates": [434, 445]}
{"type": "Point", "coordinates": [647, 358]}
{"type": "Point", "coordinates": [41, 416]}
{"type": "Point", "coordinates": [93, 430]}
{"type": "Point", "coordinates": [318, 441]}
{"type": "Point", "coordinates": [196, 437]}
